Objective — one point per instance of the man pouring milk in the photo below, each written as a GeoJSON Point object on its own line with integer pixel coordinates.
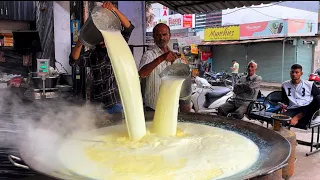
{"type": "Point", "coordinates": [154, 61]}
{"type": "Point", "coordinates": [104, 87]}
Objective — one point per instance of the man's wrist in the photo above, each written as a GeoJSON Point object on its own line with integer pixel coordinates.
{"type": "Point", "coordinates": [159, 59]}
{"type": "Point", "coordinates": [78, 44]}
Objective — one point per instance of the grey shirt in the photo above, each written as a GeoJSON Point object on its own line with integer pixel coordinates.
{"type": "Point", "coordinates": [247, 88]}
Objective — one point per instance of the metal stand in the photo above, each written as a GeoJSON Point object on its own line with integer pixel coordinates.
{"type": "Point", "coordinates": [311, 143]}
{"type": "Point", "coordinates": [43, 86]}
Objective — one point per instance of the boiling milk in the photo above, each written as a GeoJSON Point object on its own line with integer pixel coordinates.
{"type": "Point", "coordinates": [164, 149]}
{"type": "Point", "coordinates": [127, 76]}
{"type": "Point", "coordinates": [166, 114]}
{"type": "Point", "coordinates": [197, 152]}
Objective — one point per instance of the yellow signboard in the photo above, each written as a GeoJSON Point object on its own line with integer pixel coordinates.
{"type": "Point", "coordinates": [222, 33]}
{"type": "Point", "coordinates": [194, 49]}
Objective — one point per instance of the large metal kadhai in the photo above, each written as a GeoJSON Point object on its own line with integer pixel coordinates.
{"type": "Point", "coordinates": [274, 149]}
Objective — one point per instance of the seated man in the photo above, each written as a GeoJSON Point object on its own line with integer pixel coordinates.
{"type": "Point", "coordinates": [300, 98]}
{"type": "Point", "coordinates": [245, 90]}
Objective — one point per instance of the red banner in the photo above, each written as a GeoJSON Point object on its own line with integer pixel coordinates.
{"type": "Point", "coordinates": [187, 21]}
{"type": "Point", "coordinates": [206, 55]}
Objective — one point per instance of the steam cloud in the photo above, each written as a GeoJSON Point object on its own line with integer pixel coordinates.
{"type": "Point", "coordinates": [42, 123]}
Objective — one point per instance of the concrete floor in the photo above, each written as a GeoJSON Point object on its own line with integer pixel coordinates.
{"type": "Point", "coordinates": [306, 168]}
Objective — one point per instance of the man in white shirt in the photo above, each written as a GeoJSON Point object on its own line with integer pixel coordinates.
{"type": "Point", "coordinates": [154, 61]}
{"type": "Point", "coordinates": [300, 98]}
{"type": "Point", "coordinates": [235, 70]}
{"type": "Point", "coordinates": [246, 90]}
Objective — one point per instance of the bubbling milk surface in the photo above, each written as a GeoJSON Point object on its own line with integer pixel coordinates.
{"type": "Point", "coordinates": [168, 150]}
{"type": "Point", "coordinates": [197, 152]}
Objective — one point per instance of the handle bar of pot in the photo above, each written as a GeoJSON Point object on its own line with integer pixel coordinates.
{"type": "Point", "coordinates": [12, 158]}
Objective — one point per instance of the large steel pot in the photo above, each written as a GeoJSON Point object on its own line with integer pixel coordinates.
{"type": "Point", "coordinates": [50, 82]}
{"type": "Point", "coordinates": [100, 18]}
{"type": "Point", "coordinates": [274, 149]}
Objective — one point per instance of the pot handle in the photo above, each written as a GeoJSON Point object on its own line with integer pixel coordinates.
{"type": "Point", "coordinates": [11, 157]}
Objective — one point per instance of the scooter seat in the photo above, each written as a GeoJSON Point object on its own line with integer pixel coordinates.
{"type": "Point", "coordinates": [217, 93]}
{"type": "Point", "coordinates": [212, 96]}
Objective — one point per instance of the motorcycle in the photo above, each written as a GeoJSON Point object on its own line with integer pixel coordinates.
{"type": "Point", "coordinates": [228, 78]}
{"type": "Point", "coordinates": [315, 77]}
{"type": "Point", "coordinates": [218, 78]}
{"type": "Point", "coordinates": [207, 99]}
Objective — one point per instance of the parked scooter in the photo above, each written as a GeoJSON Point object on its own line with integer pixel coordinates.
{"type": "Point", "coordinates": [206, 98]}
{"type": "Point", "coordinates": [315, 77]}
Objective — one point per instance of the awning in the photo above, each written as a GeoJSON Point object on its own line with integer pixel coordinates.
{"type": "Point", "coordinates": [215, 43]}
{"type": "Point", "coordinates": [196, 7]}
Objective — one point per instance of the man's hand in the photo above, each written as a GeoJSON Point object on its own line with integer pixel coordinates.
{"type": "Point", "coordinates": [78, 44]}
{"type": "Point", "coordinates": [294, 120]}
{"type": "Point", "coordinates": [109, 5]}
{"type": "Point", "coordinates": [283, 106]}
{"type": "Point", "coordinates": [169, 56]}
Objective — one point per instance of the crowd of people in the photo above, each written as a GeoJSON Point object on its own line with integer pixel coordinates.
{"type": "Point", "coordinates": [300, 98]}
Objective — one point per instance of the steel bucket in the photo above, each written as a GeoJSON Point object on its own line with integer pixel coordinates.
{"type": "Point", "coordinates": [181, 70]}
{"type": "Point", "coordinates": [100, 18]}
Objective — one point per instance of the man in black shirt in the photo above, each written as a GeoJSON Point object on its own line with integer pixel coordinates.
{"type": "Point", "coordinates": [104, 87]}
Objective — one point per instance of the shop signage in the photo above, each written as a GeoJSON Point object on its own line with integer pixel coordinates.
{"type": "Point", "coordinates": [194, 49]}
{"type": "Point", "coordinates": [176, 21]}
{"type": "Point", "coordinates": [266, 29]}
{"type": "Point", "coordinates": [206, 55]}
{"type": "Point", "coordinates": [187, 21]}
{"type": "Point", "coordinates": [221, 33]}
{"type": "Point", "coordinates": [299, 27]}
{"type": "Point", "coordinates": [186, 41]}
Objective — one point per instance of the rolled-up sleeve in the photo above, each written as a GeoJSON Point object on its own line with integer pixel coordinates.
{"type": "Point", "coordinates": [126, 32]}
{"type": "Point", "coordinates": [82, 61]}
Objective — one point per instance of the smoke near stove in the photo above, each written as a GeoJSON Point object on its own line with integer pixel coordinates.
{"type": "Point", "coordinates": [44, 122]}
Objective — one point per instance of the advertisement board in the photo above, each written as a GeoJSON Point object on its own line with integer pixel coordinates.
{"type": "Point", "coordinates": [187, 21]}
{"type": "Point", "coordinates": [222, 33]}
{"type": "Point", "coordinates": [176, 21]}
{"type": "Point", "coordinates": [301, 27]}
{"type": "Point", "coordinates": [266, 29]}
{"type": "Point", "coordinates": [206, 55]}
{"type": "Point", "coordinates": [186, 41]}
